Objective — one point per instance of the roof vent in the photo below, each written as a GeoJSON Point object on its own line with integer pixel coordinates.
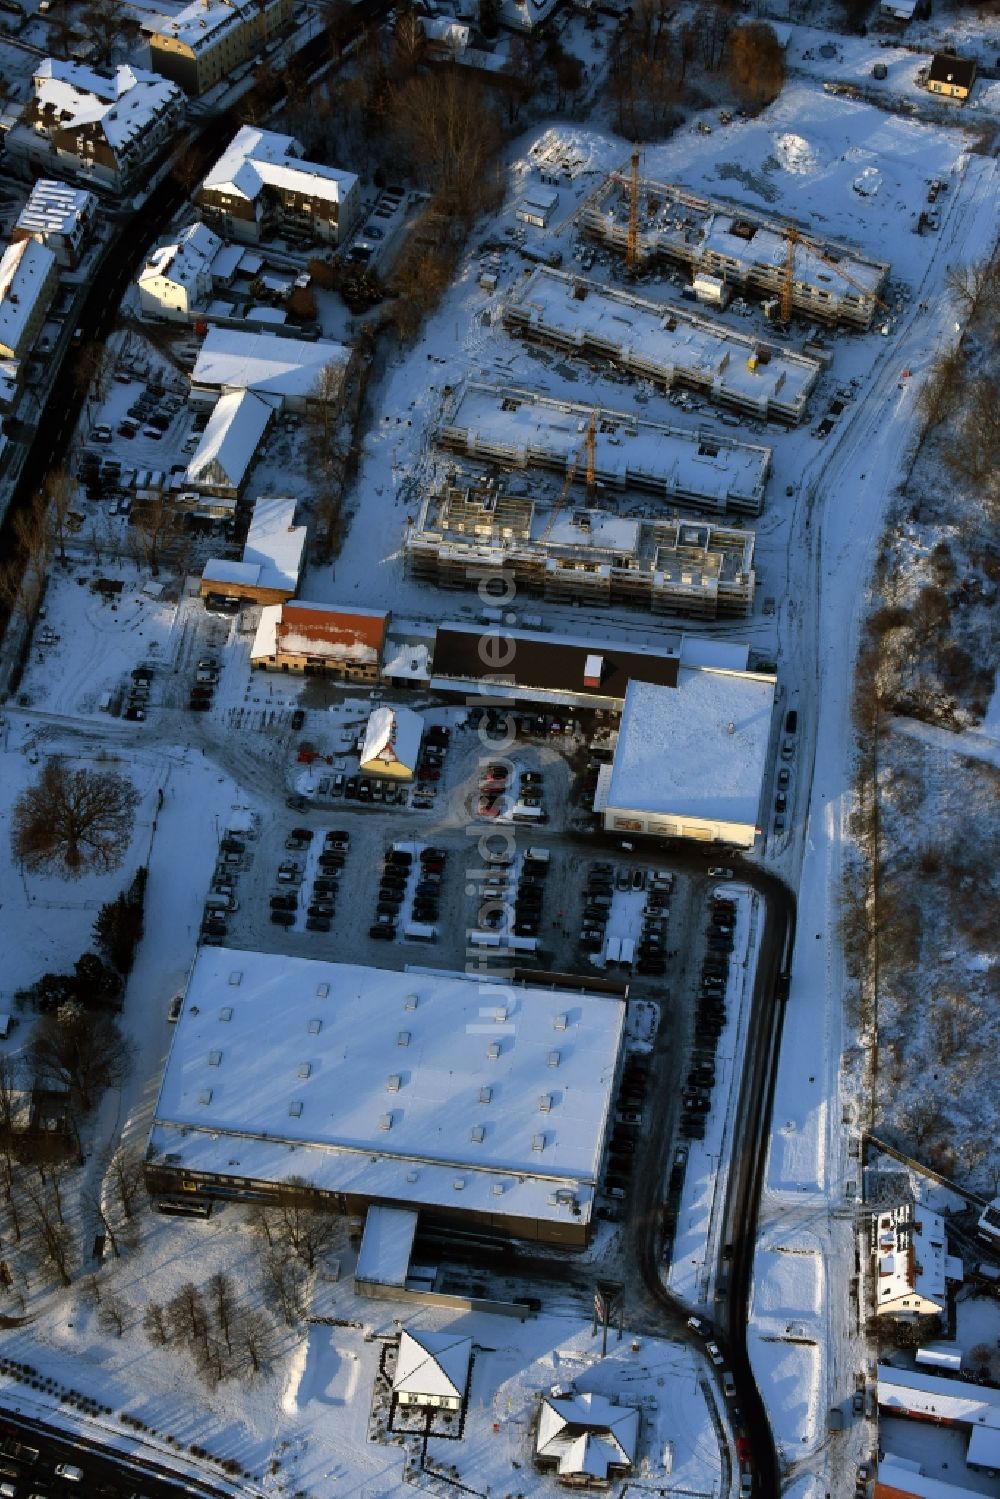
{"type": "Point", "coordinates": [500, 1014]}
{"type": "Point", "coordinates": [385, 1121]}
{"type": "Point", "coordinates": [236, 977]}
{"type": "Point", "coordinates": [545, 1103]}
{"type": "Point", "coordinates": [553, 1059]}
{"type": "Point", "coordinates": [412, 1176]}
{"type": "Point", "coordinates": [538, 1143]}
{"type": "Point", "coordinates": [215, 1058]}
{"type": "Point", "coordinates": [322, 990]}
{"type": "Point", "coordinates": [498, 1189]}
{"type": "Point", "coordinates": [477, 1134]}
{"type": "Point", "coordinates": [411, 1001]}
{"type": "Point", "coordinates": [730, 728]}
{"type": "Point", "coordinates": [205, 1096]}
{"type": "Point", "coordinates": [304, 1069]}
{"type": "Point", "coordinates": [314, 1027]}
{"type": "Point", "coordinates": [559, 1023]}
{"type": "Point", "coordinates": [459, 1183]}
{"type": "Point", "coordinates": [295, 1108]}
{"type": "Point", "coordinates": [485, 1095]}
{"type": "Point", "coordinates": [403, 1038]}
{"type": "Point", "coordinates": [393, 1082]}
{"type": "Point", "coordinates": [493, 1051]}
{"type": "Point", "coordinates": [226, 1013]}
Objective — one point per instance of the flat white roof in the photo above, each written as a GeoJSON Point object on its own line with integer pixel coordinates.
{"type": "Point", "coordinates": [55, 207]}
{"type": "Point", "coordinates": [663, 338]}
{"type": "Point", "coordinates": [276, 543]}
{"type": "Point", "coordinates": [386, 1245]}
{"type": "Point", "coordinates": [525, 429]}
{"type": "Point", "coordinates": [264, 362]}
{"type": "Point", "coordinates": [908, 1477]}
{"type": "Point", "coordinates": [911, 1390]}
{"type": "Point", "coordinates": [24, 269]}
{"type": "Point", "coordinates": [408, 1088]}
{"type": "Point", "coordinates": [698, 749]}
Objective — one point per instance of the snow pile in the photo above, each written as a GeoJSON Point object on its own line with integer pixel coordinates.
{"type": "Point", "coordinates": [796, 154]}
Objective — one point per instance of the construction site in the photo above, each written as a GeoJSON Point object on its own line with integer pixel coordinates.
{"type": "Point", "coordinates": [468, 529]}
{"type": "Point", "coordinates": [649, 222]}
{"type": "Point", "coordinates": [663, 344]}
{"type": "Point", "coordinates": [522, 429]}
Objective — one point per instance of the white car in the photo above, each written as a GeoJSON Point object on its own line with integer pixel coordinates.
{"type": "Point", "coordinates": [715, 1354]}
{"type": "Point", "coordinates": [718, 873]}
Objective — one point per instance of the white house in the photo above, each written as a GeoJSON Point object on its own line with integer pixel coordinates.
{"type": "Point", "coordinates": [912, 1263]}
{"type": "Point", "coordinates": [229, 444]}
{"type": "Point", "coordinates": [432, 1370]}
{"type": "Point", "coordinates": [29, 276]}
{"type": "Point", "coordinates": [57, 216]}
{"type": "Point", "coordinates": [261, 186]}
{"type": "Point", "coordinates": [691, 759]}
{"type": "Point", "coordinates": [176, 281]}
{"type": "Point", "coordinates": [587, 1439]}
{"type": "Point", "coordinates": [537, 206]}
{"type": "Point", "coordinates": [391, 744]}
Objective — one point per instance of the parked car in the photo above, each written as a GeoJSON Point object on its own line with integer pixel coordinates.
{"type": "Point", "coordinates": [298, 718]}
{"type": "Point", "coordinates": [283, 918]}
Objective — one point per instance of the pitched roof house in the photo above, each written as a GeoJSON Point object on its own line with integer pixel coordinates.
{"type": "Point", "coordinates": [586, 1438]}
{"type": "Point", "coordinates": [229, 443]}
{"type": "Point", "coordinates": [951, 76]}
{"type": "Point", "coordinates": [432, 1369]}
{"type": "Point", "coordinates": [299, 636]}
{"type": "Point", "coordinates": [261, 186]}
{"type": "Point", "coordinates": [391, 744]}
{"type": "Point", "coordinates": [912, 1263]}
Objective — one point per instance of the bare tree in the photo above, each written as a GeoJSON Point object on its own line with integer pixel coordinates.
{"type": "Point", "coordinates": [223, 1303]}
{"type": "Point", "coordinates": [111, 1316]}
{"type": "Point", "coordinates": [448, 127]}
{"type": "Point", "coordinates": [59, 497]}
{"type": "Point", "coordinates": [154, 1324]}
{"type": "Point", "coordinates": [284, 1283]}
{"type": "Point", "coordinates": [53, 1237]}
{"type": "Point", "coordinates": [24, 569]}
{"type": "Point", "coordinates": [151, 523]}
{"type": "Point", "coordinates": [91, 368]}
{"type": "Point", "coordinates": [82, 1052]}
{"type": "Point", "coordinates": [71, 822]}
{"type": "Point", "coordinates": [127, 1180]}
{"type": "Point", "coordinates": [254, 1339]}
{"type": "Point", "coordinates": [187, 1315]}
{"type": "Point", "coordinates": [755, 62]}
{"type": "Point", "coordinates": [10, 1094]}
{"type": "Point", "coordinates": [308, 1231]}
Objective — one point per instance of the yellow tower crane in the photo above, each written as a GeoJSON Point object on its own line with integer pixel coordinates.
{"type": "Point", "coordinates": [588, 449]}
{"type": "Point", "coordinates": [632, 244]}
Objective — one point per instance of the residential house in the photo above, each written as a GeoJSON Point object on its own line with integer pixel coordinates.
{"type": "Point", "coordinates": [912, 1265]}
{"type": "Point", "coordinates": [950, 76]}
{"type": "Point", "coordinates": [391, 744]}
{"type": "Point", "coordinates": [106, 130]}
{"type": "Point", "coordinates": [229, 444]}
{"type": "Point", "coordinates": [176, 281]}
{"type": "Point", "coordinates": [302, 637]}
{"type": "Point", "coordinates": [432, 1370]}
{"type": "Point", "coordinates": [272, 559]}
{"type": "Point", "coordinates": [29, 276]}
{"type": "Point", "coordinates": [588, 1439]}
{"type": "Point", "coordinates": [261, 188]}
{"type": "Point", "coordinates": [58, 216]}
{"type": "Point", "coordinates": [202, 44]}
{"type": "Point", "coordinates": [288, 373]}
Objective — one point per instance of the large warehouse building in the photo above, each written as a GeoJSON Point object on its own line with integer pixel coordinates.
{"type": "Point", "coordinates": [473, 1102]}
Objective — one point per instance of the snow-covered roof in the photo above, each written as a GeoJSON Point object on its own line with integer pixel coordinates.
{"type": "Point", "coordinates": [698, 749]}
{"type": "Point", "coordinates": [124, 105]}
{"type": "Point", "coordinates": [55, 207]}
{"type": "Point", "coordinates": [264, 362]}
{"type": "Point", "coordinates": [912, 1392]}
{"type": "Point", "coordinates": [586, 1434]}
{"type": "Point", "coordinates": [230, 440]}
{"type": "Point", "coordinates": [406, 1088]}
{"type": "Point", "coordinates": [432, 1363]}
{"type": "Point", "coordinates": [24, 269]}
{"type": "Point", "coordinates": [446, 31]}
{"type": "Point", "coordinates": [912, 1263]}
{"type": "Point", "coordinates": [659, 339]}
{"type": "Point", "coordinates": [392, 737]}
{"type": "Point", "coordinates": [186, 260]}
{"type": "Point", "coordinates": [407, 656]}
{"type": "Point", "coordinates": [202, 23]}
{"type": "Point", "coordinates": [255, 159]}
{"type": "Point", "coordinates": [386, 1245]}
{"type": "Point", "coordinates": [276, 543]}
{"type": "Point", "coordinates": [898, 1476]}
{"type": "Point", "coordinates": [903, 10]}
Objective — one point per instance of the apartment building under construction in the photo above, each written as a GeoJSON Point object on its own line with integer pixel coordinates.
{"type": "Point", "coordinates": [581, 555]}
{"type": "Point", "coordinates": [817, 277]}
